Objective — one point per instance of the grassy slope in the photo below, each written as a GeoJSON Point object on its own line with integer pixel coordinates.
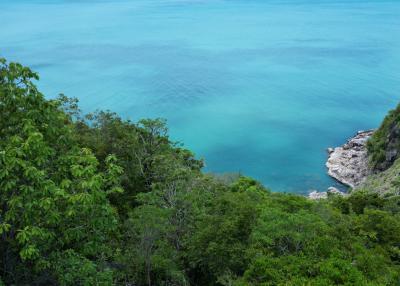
{"type": "Point", "coordinates": [385, 182]}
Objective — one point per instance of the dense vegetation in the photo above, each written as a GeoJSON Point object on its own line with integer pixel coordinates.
{"type": "Point", "coordinates": [97, 200]}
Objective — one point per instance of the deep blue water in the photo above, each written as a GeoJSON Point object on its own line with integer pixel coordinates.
{"type": "Point", "coordinates": [259, 87]}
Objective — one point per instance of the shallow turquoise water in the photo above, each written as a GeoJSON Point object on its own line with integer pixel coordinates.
{"type": "Point", "coordinates": [259, 87]}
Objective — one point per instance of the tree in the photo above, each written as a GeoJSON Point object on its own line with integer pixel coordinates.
{"type": "Point", "coordinates": [54, 208]}
{"type": "Point", "coordinates": [217, 247]}
{"type": "Point", "coordinates": [143, 150]}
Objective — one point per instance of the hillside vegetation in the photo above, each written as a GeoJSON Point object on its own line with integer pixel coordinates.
{"type": "Point", "coordinates": [384, 150]}
{"type": "Point", "coordinates": [385, 182]}
{"type": "Point", "coordinates": [98, 200]}
{"type": "Point", "coordinates": [384, 145]}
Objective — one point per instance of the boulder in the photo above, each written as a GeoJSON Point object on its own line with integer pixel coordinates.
{"type": "Point", "coordinates": [335, 191]}
{"type": "Point", "coordinates": [315, 195]}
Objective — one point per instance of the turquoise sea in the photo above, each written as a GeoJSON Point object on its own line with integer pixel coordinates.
{"type": "Point", "coordinates": [260, 87]}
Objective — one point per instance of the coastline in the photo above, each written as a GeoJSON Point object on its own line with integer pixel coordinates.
{"type": "Point", "coordinates": [347, 164]}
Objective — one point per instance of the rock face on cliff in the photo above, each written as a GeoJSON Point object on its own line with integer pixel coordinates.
{"type": "Point", "coordinates": [349, 163]}
{"type": "Point", "coordinates": [384, 146]}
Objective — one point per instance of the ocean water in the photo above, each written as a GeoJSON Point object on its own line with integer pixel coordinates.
{"type": "Point", "coordinates": [257, 87]}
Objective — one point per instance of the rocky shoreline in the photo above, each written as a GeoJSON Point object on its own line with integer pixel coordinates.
{"type": "Point", "coordinates": [348, 164]}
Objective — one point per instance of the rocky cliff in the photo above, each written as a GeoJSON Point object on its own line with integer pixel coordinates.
{"type": "Point", "coordinates": [384, 145]}
{"type": "Point", "coordinates": [349, 163]}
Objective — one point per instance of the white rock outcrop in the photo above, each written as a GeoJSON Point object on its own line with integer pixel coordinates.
{"type": "Point", "coordinates": [315, 195]}
{"type": "Point", "coordinates": [349, 163]}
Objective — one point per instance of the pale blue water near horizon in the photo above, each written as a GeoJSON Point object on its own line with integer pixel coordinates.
{"type": "Point", "coordinates": [257, 87]}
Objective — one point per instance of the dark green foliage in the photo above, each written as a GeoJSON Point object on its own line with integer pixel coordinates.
{"type": "Point", "coordinates": [219, 242]}
{"type": "Point", "coordinates": [384, 145]}
{"type": "Point", "coordinates": [65, 220]}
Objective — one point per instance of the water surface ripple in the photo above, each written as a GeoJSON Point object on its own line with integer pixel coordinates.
{"type": "Point", "coordinates": [259, 87]}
